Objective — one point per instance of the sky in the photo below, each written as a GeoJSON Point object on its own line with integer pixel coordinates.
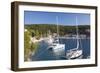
{"type": "Point", "coordinates": [40, 17]}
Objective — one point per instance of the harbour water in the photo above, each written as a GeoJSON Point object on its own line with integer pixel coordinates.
{"type": "Point", "coordinates": [43, 53]}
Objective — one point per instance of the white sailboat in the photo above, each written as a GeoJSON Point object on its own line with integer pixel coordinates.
{"type": "Point", "coordinates": [56, 46]}
{"type": "Point", "coordinates": [75, 52]}
{"type": "Point", "coordinates": [49, 40]}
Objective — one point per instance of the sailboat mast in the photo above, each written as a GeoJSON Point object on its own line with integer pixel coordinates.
{"type": "Point", "coordinates": [57, 29]}
{"type": "Point", "coordinates": [77, 33]}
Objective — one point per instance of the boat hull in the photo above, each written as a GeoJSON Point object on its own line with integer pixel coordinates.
{"type": "Point", "coordinates": [74, 54]}
{"type": "Point", "coordinates": [57, 49]}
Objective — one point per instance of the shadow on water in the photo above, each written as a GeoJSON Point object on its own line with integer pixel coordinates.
{"type": "Point", "coordinates": [43, 53]}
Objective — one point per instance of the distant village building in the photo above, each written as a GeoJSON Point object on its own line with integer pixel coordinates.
{"type": "Point", "coordinates": [25, 30]}
{"type": "Point", "coordinates": [74, 36]}
{"type": "Point", "coordinates": [88, 30]}
{"type": "Point", "coordinates": [54, 34]}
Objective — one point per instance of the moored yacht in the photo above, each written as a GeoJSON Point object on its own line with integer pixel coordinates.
{"type": "Point", "coordinates": [57, 47]}
{"type": "Point", "coordinates": [75, 53]}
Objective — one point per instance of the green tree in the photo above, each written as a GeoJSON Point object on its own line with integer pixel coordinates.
{"type": "Point", "coordinates": [34, 46]}
{"type": "Point", "coordinates": [37, 34]}
{"type": "Point", "coordinates": [26, 45]}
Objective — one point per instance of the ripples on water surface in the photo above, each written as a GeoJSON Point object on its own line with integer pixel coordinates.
{"type": "Point", "coordinates": [44, 54]}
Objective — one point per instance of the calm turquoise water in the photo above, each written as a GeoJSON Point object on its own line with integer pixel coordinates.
{"type": "Point", "coordinates": [44, 54]}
